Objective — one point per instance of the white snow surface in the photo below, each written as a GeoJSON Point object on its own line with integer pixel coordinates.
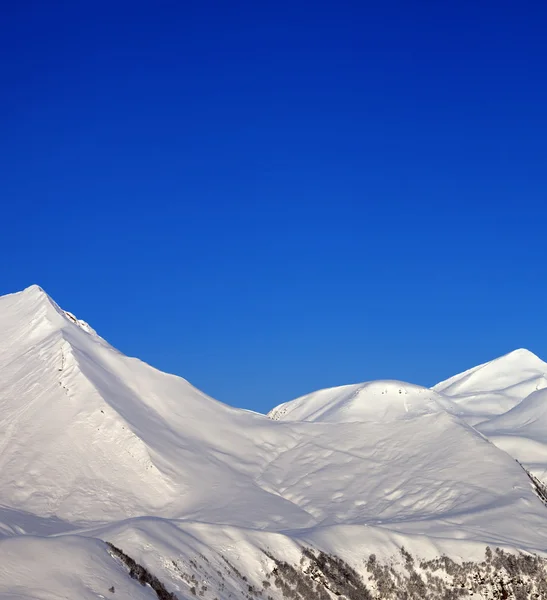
{"type": "Point", "coordinates": [382, 401]}
{"type": "Point", "coordinates": [506, 400]}
{"type": "Point", "coordinates": [95, 446]}
{"type": "Point", "coordinates": [495, 387]}
{"type": "Point", "coordinates": [522, 432]}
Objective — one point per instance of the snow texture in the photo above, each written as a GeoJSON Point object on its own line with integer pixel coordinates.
{"type": "Point", "coordinates": [96, 446]}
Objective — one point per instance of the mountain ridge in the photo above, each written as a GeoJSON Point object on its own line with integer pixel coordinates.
{"type": "Point", "coordinates": [107, 447]}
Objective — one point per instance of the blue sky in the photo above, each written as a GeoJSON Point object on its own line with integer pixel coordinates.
{"type": "Point", "coordinates": [270, 198]}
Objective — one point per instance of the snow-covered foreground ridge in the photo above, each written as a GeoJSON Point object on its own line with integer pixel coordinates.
{"type": "Point", "coordinates": [96, 446]}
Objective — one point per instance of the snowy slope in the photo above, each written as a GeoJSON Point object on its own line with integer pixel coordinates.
{"type": "Point", "coordinates": [522, 432]}
{"type": "Point", "coordinates": [495, 387]}
{"type": "Point", "coordinates": [101, 445]}
{"type": "Point", "coordinates": [89, 434]}
{"type": "Point", "coordinates": [219, 561]}
{"type": "Point", "coordinates": [506, 400]}
{"type": "Point", "coordinates": [67, 567]}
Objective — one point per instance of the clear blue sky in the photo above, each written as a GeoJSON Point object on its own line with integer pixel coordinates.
{"type": "Point", "coordinates": [269, 198]}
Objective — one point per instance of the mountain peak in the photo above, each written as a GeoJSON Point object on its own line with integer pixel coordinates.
{"type": "Point", "coordinates": [381, 400]}
{"type": "Point", "coordinates": [34, 289]}
{"type": "Point", "coordinates": [501, 374]}
{"type": "Point", "coordinates": [517, 361]}
{"type": "Point", "coordinates": [521, 354]}
{"type": "Point", "coordinates": [34, 312]}
{"type": "Point", "coordinates": [33, 293]}
{"type": "Point", "coordinates": [32, 296]}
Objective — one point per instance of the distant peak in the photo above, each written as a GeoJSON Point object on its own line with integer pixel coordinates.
{"type": "Point", "coordinates": [508, 371]}
{"type": "Point", "coordinates": [523, 352]}
{"type": "Point", "coordinates": [521, 355]}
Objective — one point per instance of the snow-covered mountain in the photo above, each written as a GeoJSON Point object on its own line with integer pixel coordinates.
{"type": "Point", "coordinates": [495, 387]}
{"type": "Point", "coordinates": [380, 401]}
{"type": "Point", "coordinates": [97, 446]}
{"type": "Point", "coordinates": [506, 400]}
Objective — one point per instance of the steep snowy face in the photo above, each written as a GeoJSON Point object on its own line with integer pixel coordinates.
{"type": "Point", "coordinates": [496, 386]}
{"type": "Point", "coordinates": [26, 317]}
{"type": "Point", "coordinates": [89, 434]}
{"type": "Point", "coordinates": [59, 433]}
{"type": "Point", "coordinates": [381, 401]}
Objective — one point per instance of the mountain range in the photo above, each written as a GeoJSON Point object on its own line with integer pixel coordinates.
{"type": "Point", "coordinates": [105, 460]}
